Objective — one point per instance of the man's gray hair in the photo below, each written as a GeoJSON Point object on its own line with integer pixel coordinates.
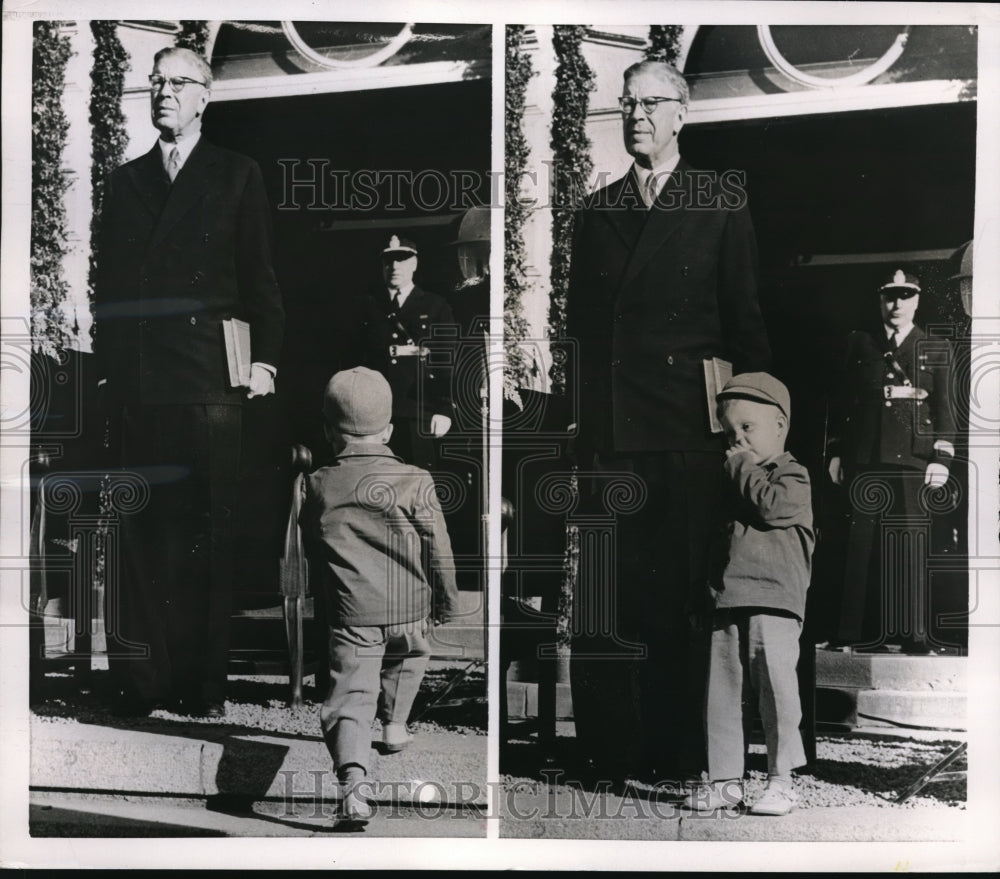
{"type": "Point", "coordinates": [665, 71]}
{"type": "Point", "coordinates": [189, 54]}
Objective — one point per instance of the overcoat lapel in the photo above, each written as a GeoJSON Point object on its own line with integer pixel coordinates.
{"type": "Point", "coordinates": [150, 180]}
{"type": "Point", "coordinates": [187, 190]}
{"type": "Point", "coordinates": [618, 211]}
{"type": "Point", "coordinates": [661, 223]}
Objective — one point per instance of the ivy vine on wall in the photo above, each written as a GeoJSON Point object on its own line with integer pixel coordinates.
{"type": "Point", "coordinates": [108, 137]}
{"type": "Point", "coordinates": [570, 172]}
{"type": "Point", "coordinates": [193, 35]}
{"type": "Point", "coordinates": [515, 327]}
{"type": "Point", "coordinates": [51, 51]}
{"type": "Point", "coordinates": [664, 42]}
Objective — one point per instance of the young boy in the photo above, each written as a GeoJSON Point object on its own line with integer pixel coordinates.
{"type": "Point", "coordinates": [377, 531]}
{"type": "Point", "coordinates": [759, 593]}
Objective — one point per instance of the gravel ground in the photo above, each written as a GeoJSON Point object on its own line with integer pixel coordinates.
{"type": "Point", "coordinates": [851, 769]}
{"type": "Point", "coordinates": [261, 704]}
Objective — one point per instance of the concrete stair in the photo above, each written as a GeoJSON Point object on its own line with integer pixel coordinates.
{"type": "Point", "coordinates": [852, 689]}
{"type": "Point", "coordinates": [885, 689]}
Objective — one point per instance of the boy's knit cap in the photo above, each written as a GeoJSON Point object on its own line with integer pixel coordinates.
{"type": "Point", "coordinates": [358, 401]}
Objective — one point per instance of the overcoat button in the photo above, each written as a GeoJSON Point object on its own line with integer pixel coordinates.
{"type": "Point", "coordinates": [670, 360]}
{"type": "Point", "coordinates": [888, 404]}
{"type": "Point", "coordinates": [205, 237]}
{"type": "Point", "coordinates": [194, 320]}
{"type": "Point", "coordinates": [889, 375]}
{"type": "Point", "coordinates": [616, 363]}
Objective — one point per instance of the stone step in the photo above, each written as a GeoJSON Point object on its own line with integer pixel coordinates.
{"type": "Point", "coordinates": [943, 710]}
{"type": "Point", "coordinates": [887, 671]}
{"type": "Point", "coordinates": [851, 689]}
{"type": "Point", "coordinates": [203, 760]}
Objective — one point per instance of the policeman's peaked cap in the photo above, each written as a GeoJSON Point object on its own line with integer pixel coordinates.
{"type": "Point", "coordinates": [904, 282]}
{"type": "Point", "coordinates": [402, 246]}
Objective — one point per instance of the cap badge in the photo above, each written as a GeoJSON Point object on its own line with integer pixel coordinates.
{"type": "Point", "coordinates": [394, 243]}
{"type": "Point", "coordinates": [899, 277]}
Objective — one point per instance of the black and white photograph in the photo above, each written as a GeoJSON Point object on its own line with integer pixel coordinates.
{"type": "Point", "coordinates": [500, 435]}
{"type": "Point", "coordinates": [257, 461]}
{"type": "Point", "coordinates": [736, 453]}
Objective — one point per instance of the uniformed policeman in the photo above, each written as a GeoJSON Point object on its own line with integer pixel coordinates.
{"type": "Point", "coordinates": [892, 441]}
{"type": "Point", "coordinates": [409, 338]}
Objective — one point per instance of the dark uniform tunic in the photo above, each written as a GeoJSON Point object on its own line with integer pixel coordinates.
{"type": "Point", "coordinates": [413, 349]}
{"type": "Point", "coordinates": [892, 418]}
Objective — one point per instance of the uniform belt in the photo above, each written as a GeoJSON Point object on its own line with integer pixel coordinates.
{"type": "Point", "coordinates": [408, 351]}
{"type": "Point", "coordinates": [904, 392]}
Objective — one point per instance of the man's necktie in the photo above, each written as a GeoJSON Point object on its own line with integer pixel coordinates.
{"type": "Point", "coordinates": [894, 341]}
{"type": "Point", "coordinates": [395, 301]}
{"type": "Point", "coordinates": [173, 163]}
{"type": "Point", "coordinates": [649, 190]}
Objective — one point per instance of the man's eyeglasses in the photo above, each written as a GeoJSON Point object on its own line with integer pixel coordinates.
{"type": "Point", "coordinates": [177, 83]}
{"type": "Point", "coordinates": [648, 105]}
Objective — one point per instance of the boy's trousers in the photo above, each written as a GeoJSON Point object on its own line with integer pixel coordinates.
{"type": "Point", "coordinates": [372, 668]}
{"type": "Point", "coordinates": [753, 651]}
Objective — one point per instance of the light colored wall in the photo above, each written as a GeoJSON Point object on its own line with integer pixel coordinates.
{"type": "Point", "coordinates": [608, 61]}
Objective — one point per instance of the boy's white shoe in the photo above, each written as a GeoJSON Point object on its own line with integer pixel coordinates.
{"type": "Point", "coordinates": [714, 796]}
{"type": "Point", "coordinates": [355, 805]}
{"type": "Point", "coordinates": [395, 737]}
{"type": "Point", "coordinates": [777, 799]}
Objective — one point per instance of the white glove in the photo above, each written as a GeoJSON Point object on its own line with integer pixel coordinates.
{"type": "Point", "coordinates": [261, 382]}
{"type": "Point", "coordinates": [440, 425]}
{"type": "Point", "coordinates": [836, 471]}
{"type": "Point", "coordinates": [935, 475]}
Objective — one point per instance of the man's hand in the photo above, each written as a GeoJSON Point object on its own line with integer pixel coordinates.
{"type": "Point", "coordinates": [935, 475]}
{"type": "Point", "coordinates": [261, 382]}
{"type": "Point", "coordinates": [836, 471]}
{"type": "Point", "coordinates": [440, 425]}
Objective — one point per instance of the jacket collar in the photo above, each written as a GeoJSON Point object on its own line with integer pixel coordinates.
{"type": "Point", "coordinates": [778, 461]}
{"type": "Point", "coordinates": [362, 450]}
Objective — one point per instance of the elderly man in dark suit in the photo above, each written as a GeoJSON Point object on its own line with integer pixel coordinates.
{"type": "Point", "coordinates": [892, 440]}
{"type": "Point", "coordinates": [664, 276]}
{"type": "Point", "coordinates": [184, 245]}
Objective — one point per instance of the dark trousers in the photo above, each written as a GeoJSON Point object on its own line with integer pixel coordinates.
{"type": "Point", "coordinates": [886, 583]}
{"type": "Point", "coordinates": [170, 593]}
{"type": "Point", "coordinates": [638, 676]}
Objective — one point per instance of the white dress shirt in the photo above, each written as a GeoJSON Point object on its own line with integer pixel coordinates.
{"type": "Point", "coordinates": [662, 173]}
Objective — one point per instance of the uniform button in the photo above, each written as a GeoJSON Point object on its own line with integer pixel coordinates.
{"type": "Point", "coordinates": [616, 363]}
{"type": "Point", "coordinates": [628, 420]}
{"type": "Point", "coordinates": [431, 376]}
{"type": "Point", "coordinates": [395, 335]}
{"type": "Point", "coordinates": [205, 237]}
{"type": "Point", "coordinates": [927, 421]}
{"type": "Point", "coordinates": [670, 360]}
{"type": "Point", "coordinates": [889, 375]}
{"type": "Point", "coordinates": [684, 272]}
{"type": "Point", "coordinates": [393, 360]}
{"type": "Point", "coordinates": [618, 317]}
{"type": "Point", "coordinates": [888, 404]}
{"type": "Point", "coordinates": [194, 320]}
